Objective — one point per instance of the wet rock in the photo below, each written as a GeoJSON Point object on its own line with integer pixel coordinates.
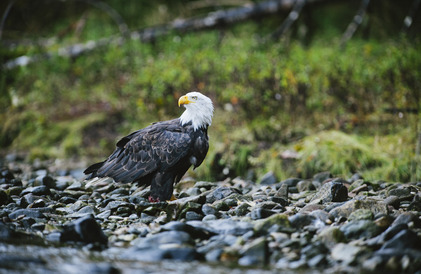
{"type": "Point", "coordinates": [45, 180]}
{"type": "Point", "coordinates": [376, 206]}
{"type": "Point", "coordinates": [191, 216]}
{"type": "Point", "coordinates": [359, 229]}
{"type": "Point", "coordinates": [4, 198]}
{"type": "Point", "coordinates": [402, 240]}
{"type": "Point", "coordinates": [85, 230]}
{"type": "Point", "coordinates": [346, 253]}
{"type": "Point", "coordinates": [274, 223]}
{"type": "Point", "coordinates": [30, 212]}
{"type": "Point", "coordinates": [209, 210]}
{"type": "Point", "coordinates": [332, 191]}
{"type": "Point", "coordinates": [305, 185]}
{"type": "Point", "coordinates": [393, 200]}
{"type": "Point", "coordinates": [331, 236]}
{"type": "Point", "coordinates": [361, 214]}
{"type": "Point", "coordinates": [164, 238]}
{"type": "Point", "coordinates": [301, 220]}
{"type": "Point", "coordinates": [268, 179]}
{"type": "Point", "coordinates": [220, 193]}
{"type": "Point", "coordinates": [157, 254]}
{"type": "Point", "coordinates": [254, 253]}
{"type": "Point", "coordinates": [261, 213]}
{"type": "Point", "coordinates": [283, 192]}
{"type": "Point", "coordinates": [223, 226]}
{"type": "Point", "coordinates": [37, 190]}
{"type": "Point", "coordinates": [319, 178]}
{"type": "Point", "coordinates": [406, 218]}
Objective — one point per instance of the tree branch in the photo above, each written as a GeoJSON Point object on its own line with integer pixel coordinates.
{"type": "Point", "coordinates": [356, 22]}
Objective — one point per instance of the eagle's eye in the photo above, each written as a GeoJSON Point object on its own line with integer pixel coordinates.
{"type": "Point", "coordinates": [194, 97]}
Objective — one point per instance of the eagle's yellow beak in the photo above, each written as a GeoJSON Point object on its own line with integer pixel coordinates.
{"type": "Point", "coordinates": [184, 100]}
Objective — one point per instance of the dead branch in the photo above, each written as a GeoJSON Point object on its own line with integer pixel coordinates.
{"type": "Point", "coordinates": [356, 22]}
{"type": "Point", "coordinates": [292, 17]}
{"type": "Point", "coordinates": [211, 21]}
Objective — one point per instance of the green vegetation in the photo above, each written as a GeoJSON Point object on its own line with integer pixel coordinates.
{"type": "Point", "coordinates": [325, 103]}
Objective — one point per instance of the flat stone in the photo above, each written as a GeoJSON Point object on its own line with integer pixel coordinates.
{"type": "Point", "coordinates": [346, 253]}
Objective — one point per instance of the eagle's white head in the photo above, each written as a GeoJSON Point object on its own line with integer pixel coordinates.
{"type": "Point", "coordinates": [199, 109]}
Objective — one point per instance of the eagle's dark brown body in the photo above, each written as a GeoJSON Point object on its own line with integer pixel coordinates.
{"type": "Point", "coordinates": [158, 155]}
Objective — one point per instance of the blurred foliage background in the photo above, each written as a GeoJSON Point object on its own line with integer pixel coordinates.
{"type": "Point", "coordinates": [296, 105]}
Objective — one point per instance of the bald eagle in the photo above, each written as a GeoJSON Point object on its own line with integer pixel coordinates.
{"type": "Point", "coordinates": [160, 154]}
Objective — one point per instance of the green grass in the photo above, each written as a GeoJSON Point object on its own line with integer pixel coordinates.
{"type": "Point", "coordinates": [325, 103]}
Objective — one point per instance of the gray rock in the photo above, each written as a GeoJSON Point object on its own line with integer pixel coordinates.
{"type": "Point", "coordinates": [37, 190]}
{"type": "Point", "coordinates": [359, 229]}
{"type": "Point", "coordinates": [346, 253]}
{"type": "Point", "coordinates": [361, 214]}
{"type": "Point", "coordinates": [301, 220]}
{"type": "Point", "coordinates": [332, 191]}
{"type": "Point", "coordinates": [223, 226]}
{"type": "Point", "coordinates": [402, 240]}
{"type": "Point", "coordinates": [30, 212]}
{"type": "Point", "coordinates": [331, 236]}
{"type": "Point", "coordinates": [158, 254]}
{"type": "Point", "coordinates": [85, 230]}
{"type": "Point", "coordinates": [305, 185]}
{"type": "Point", "coordinates": [191, 216]}
{"type": "Point", "coordinates": [4, 198]}
{"type": "Point", "coordinates": [268, 179]}
{"type": "Point", "coordinates": [220, 193]}
{"type": "Point", "coordinates": [261, 213]}
{"type": "Point", "coordinates": [376, 206]}
{"type": "Point", "coordinates": [255, 252]}
{"type": "Point", "coordinates": [164, 238]}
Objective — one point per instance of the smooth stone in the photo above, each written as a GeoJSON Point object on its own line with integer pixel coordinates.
{"type": "Point", "coordinates": [213, 255]}
{"type": "Point", "coordinates": [164, 238]}
{"type": "Point", "coordinates": [85, 230]}
{"type": "Point", "coordinates": [402, 240]}
{"type": "Point", "coordinates": [406, 218]}
{"type": "Point", "coordinates": [305, 185]}
{"type": "Point", "coordinates": [331, 236]}
{"type": "Point", "coordinates": [67, 200]}
{"type": "Point", "coordinates": [268, 179]}
{"type": "Point", "coordinates": [191, 216]}
{"type": "Point", "coordinates": [242, 209]}
{"type": "Point", "coordinates": [393, 200]}
{"type": "Point", "coordinates": [320, 177]}
{"type": "Point", "coordinates": [361, 214]}
{"type": "Point", "coordinates": [37, 190]}
{"type": "Point", "coordinates": [46, 180]}
{"type": "Point", "coordinates": [346, 253]}
{"type": "Point", "coordinates": [29, 212]}
{"type": "Point", "coordinates": [158, 254]}
{"type": "Point", "coordinates": [223, 226]}
{"type": "Point", "coordinates": [359, 229]}
{"type": "Point", "coordinates": [301, 220]}
{"type": "Point", "coordinates": [255, 252]}
{"type": "Point", "coordinates": [4, 198]}
{"type": "Point", "coordinates": [220, 193]}
{"type": "Point", "coordinates": [283, 192]}
{"type": "Point", "coordinates": [323, 216]}
{"type": "Point", "coordinates": [210, 217]}
{"type": "Point", "coordinates": [311, 207]}
{"type": "Point", "coordinates": [280, 221]}
{"type": "Point", "coordinates": [344, 210]}
{"type": "Point", "coordinates": [261, 213]}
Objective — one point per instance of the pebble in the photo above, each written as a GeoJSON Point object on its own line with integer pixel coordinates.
{"type": "Point", "coordinates": [296, 225]}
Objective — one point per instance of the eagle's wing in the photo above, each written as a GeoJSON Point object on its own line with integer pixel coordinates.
{"type": "Point", "coordinates": [158, 146]}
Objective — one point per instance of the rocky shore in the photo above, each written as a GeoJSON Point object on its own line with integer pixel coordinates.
{"type": "Point", "coordinates": [54, 221]}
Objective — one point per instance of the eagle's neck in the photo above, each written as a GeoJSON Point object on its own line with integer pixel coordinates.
{"type": "Point", "coordinates": [199, 115]}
